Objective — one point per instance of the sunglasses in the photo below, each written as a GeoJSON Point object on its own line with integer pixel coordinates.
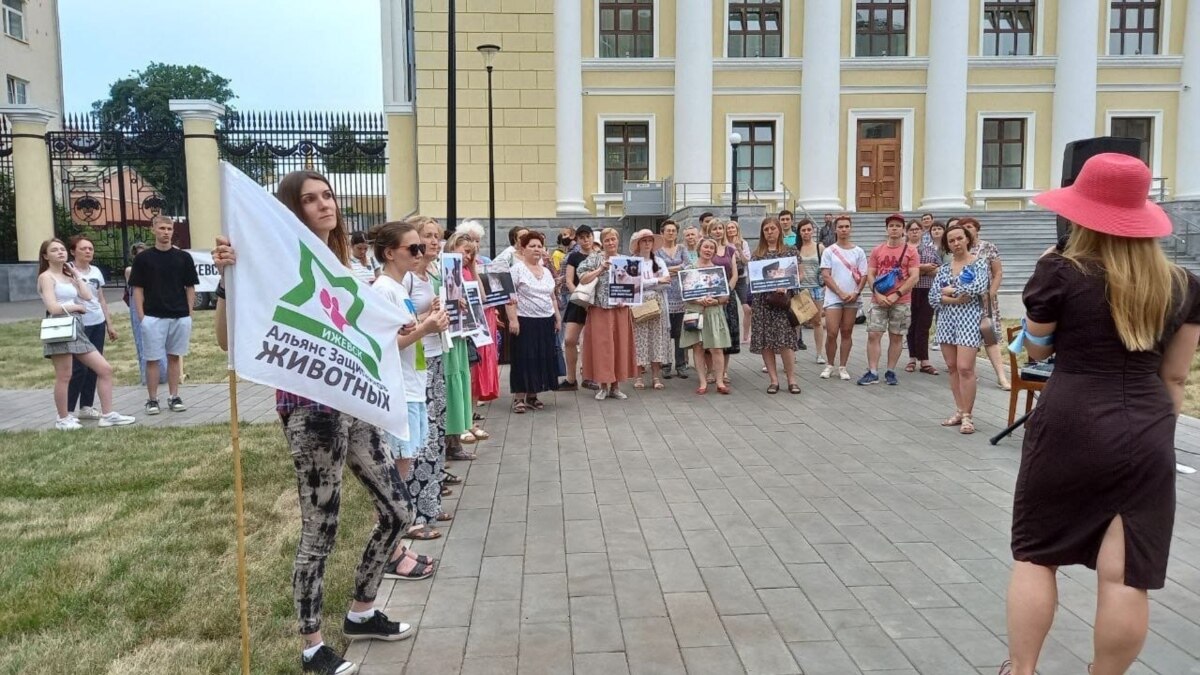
{"type": "Point", "coordinates": [416, 249]}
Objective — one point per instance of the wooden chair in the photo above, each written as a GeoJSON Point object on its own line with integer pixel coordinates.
{"type": "Point", "coordinates": [1019, 384]}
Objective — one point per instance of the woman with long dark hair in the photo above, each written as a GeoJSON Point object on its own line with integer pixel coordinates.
{"type": "Point", "coordinates": [772, 333]}
{"type": "Point", "coordinates": [66, 293]}
{"type": "Point", "coordinates": [1096, 485]}
{"type": "Point", "coordinates": [322, 441]}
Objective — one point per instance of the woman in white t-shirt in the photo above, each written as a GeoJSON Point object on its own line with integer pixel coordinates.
{"type": "Point", "coordinates": [844, 269]}
{"type": "Point", "coordinates": [399, 246]}
{"type": "Point", "coordinates": [81, 391]}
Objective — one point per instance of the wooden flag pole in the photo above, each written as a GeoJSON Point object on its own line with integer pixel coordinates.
{"type": "Point", "coordinates": [239, 509]}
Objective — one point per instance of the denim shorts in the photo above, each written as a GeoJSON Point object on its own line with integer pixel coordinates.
{"type": "Point", "coordinates": [161, 337]}
{"type": "Point", "coordinates": [418, 429]}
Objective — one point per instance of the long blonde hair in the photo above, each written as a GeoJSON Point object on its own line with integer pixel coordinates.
{"type": "Point", "coordinates": [1142, 286]}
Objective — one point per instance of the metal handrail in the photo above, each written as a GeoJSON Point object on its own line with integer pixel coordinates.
{"type": "Point", "coordinates": [796, 204]}
{"type": "Point", "coordinates": [1158, 186]}
{"type": "Point", "coordinates": [752, 196]}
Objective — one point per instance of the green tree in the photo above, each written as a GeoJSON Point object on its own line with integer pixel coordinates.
{"type": "Point", "coordinates": [348, 155]}
{"type": "Point", "coordinates": [140, 102]}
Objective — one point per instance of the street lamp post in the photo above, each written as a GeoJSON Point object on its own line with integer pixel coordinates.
{"type": "Point", "coordinates": [451, 123]}
{"type": "Point", "coordinates": [489, 52]}
{"type": "Point", "coordinates": [735, 139]}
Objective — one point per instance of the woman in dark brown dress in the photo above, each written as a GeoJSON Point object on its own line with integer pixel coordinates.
{"type": "Point", "coordinates": [1096, 485]}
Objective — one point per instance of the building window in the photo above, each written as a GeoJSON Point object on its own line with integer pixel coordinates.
{"type": "Point", "coordinates": [1141, 128]}
{"type": "Point", "coordinates": [626, 29]}
{"type": "Point", "coordinates": [755, 28]}
{"type": "Point", "coordinates": [881, 28]}
{"type": "Point", "coordinates": [1003, 154]}
{"type": "Point", "coordinates": [1008, 27]}
{"type": "Point", "coordinates": [18, 91]}
{"type": "Point", "coordinates": [755, 159]}
{"type": "Point", "coordinates": [14, 18]}
{"type": "Point", "coordinates": [1133, 27]}
{"type": "Point", "coordinates": [626, 154]}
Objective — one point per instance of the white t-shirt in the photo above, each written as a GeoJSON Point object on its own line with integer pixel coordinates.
{"type": "Point", "coordinates": [95, 279]}
{"type": "Point", "coordinates": [414, 380]}
{"type": "Point", "coordinates": [843, 276]}
{"type": "Point", "coordinates": [421, 292]}
{"type": "Point", "coordinates": [365, 273]}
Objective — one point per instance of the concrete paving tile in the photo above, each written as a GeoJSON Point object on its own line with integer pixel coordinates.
{"type": "Point", "coordinates": [601, 664]}
{"type": "Point", "coordinates": [731, 591]}
{"type": "Point", "coordinates": [594, 625]}
{"type": "Point", "coordinates": [793, 615]}
{"type": "Point", "coordinates": [545, 648]}
{"type": "Point", "coordinates": [588, 574]}
{"type": "Point", "coordinates": [650, 646]}
{"type": "Point", "coordinates": [712, 661]}
{"type": "Point", "coordinates": [695, 620]}
{"type": "Point", "coordinates": [438, 650]}
{"type": "Point", "coordinates": [544, 598]}
{"type": "Point", "coordinates": [500, 579]}
{"type": "Point", "coordinates": [638, 594]}
{"type": "Point", "coordinates": [676, 571]}
{"type": "Point", "coordinates": [758, 645]}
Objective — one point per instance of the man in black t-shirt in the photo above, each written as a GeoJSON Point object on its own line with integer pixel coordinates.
{"type": "Point", "coordinates": [164, 289]}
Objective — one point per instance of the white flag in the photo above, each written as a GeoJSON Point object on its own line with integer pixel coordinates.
{"type": "Point", "coordinates": [300, 321]}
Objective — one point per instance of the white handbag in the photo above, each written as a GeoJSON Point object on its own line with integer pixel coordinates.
{"type": "Point", "coordinates": [59, 329]}
{"type": "Point", "coordinates": [584, 295]}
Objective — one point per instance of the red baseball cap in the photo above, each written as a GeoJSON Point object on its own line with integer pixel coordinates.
{"type": "Point", "coordinates": [894, 216]}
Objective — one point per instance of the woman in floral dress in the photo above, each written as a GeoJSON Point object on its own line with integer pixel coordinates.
{"type": "Point", "coordinates": [771, 329]}
{"type": "Point", "coordinates": [651, 337]}
{"type": "Point", "coordinates": [675, 255]}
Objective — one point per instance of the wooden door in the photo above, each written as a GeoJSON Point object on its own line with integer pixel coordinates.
{"type": "Point", "coordinates": [877, 175]}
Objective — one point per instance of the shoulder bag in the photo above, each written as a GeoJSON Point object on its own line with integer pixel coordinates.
{"type": "Point", "coordinates": [890, 280]}
{"type": "Point", "coordinates": [646, 311]}
{"type": "Point", "coordinates": [584, 295]}
{"type": "Point", "coordinates": [854, 273]}
{"type": "Point", "coordinates": [986, 326]}
{"type": "Point", "coordinates": [57, 329]}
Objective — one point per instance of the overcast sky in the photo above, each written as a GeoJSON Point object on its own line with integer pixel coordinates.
{"type": "Point", "coordinates": [279, 54]}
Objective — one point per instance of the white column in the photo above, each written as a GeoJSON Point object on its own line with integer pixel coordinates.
{"type": "Point", "coordinates": [1074, 80]}
{"type": "Point", "coordinates": [568, 108]}
{"type": "Point", "coordinates": [693, 100]}
{"type": "Point", "coordinates": [397, 95]}
{"type": "Point", "coordinates": [946, 106]}
{"type": "Point", "coordinates": [1187, 137]}
{"type": "Point", "coordinates": [820, 113]}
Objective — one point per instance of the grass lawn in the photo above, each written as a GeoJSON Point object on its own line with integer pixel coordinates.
{"type": "Point", "coordinates": [118, 552]}
{"type": "Point", "coordinates": [23, 367]}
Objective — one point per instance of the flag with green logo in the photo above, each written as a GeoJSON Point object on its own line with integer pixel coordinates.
{"type": "Point", "coordinates": [299, 320]}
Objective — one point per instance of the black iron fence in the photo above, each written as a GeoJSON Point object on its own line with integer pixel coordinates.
{"type": "Point", "coordinates": [8, 197]}
{"type": "Point", "coordinates": [109, 183]}
{"type": "Point", "coordinates": [350, 149]}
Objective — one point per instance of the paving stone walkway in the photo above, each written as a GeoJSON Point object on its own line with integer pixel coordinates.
{"type": "Point", "coordinates": [837, 532]}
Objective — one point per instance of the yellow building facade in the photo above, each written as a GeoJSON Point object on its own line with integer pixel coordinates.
{"type": "Point", "coordinates": [836, 104]}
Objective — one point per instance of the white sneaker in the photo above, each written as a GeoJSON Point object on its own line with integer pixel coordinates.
{"type": "Point", "coordinates": [618, 394]}
{"type": "Point", "coordinates": [843, 374]}
{"type": "Point", "coordinates": [67, 423]}
{"type": "Point", "coordinates": [936, 348]}
{"type": "Point", "coordinates": [88, 413]}
{"type": "Point", "coordinates": [827, 372]}
{"type": "Point", "coordinates": [602, 394]}
{"type": "Point", "coordinates": [820, 359]}
{"type": "Point", "coordinates": [116, 419]}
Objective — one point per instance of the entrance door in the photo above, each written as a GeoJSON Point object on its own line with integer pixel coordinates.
{"type": "Point", "coordinates": [878, 175]}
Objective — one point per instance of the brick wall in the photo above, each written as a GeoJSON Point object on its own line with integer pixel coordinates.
{"type": "Point", "coordinates": [523, 98]}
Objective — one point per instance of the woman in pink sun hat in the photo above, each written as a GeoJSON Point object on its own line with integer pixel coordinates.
{"type": "Point", "coordinates": [1096, 484]}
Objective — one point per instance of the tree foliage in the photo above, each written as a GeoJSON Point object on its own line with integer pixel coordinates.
{"type": "Point", "coordinates": [350, 158]}
{"type": "Point", "coordinates": [140, 102]}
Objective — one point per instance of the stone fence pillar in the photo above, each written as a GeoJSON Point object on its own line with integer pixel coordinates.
{"type": "Point", "coordinates": [31, 178]}
{"type": "Point", "coordinates": [203, 167]}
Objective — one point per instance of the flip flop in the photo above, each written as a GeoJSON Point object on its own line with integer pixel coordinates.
{"type": "Point", "coordinates": [418, 572]}
{"type": "Point", "coordinates": [928, 369]}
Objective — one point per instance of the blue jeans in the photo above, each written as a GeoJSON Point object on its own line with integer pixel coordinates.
{"type": "Point", "coordinates": [81, 390]}
{"type": "Point", "coordinates": [135, 323]}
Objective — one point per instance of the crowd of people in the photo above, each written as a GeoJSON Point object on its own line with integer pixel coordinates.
{"type": "Point", "coordinates": [1092, 489]}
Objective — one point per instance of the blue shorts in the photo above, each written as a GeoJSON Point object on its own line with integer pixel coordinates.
{"type": "Point", "coordinates": [418, 429]}
{"type": "Point", "coordinates": [161, 337]}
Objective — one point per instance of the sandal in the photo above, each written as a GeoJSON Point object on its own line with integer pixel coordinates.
{"type": "Point", "coordinates": [773, 388]}
{"type": "Point", "coordinates": [444, 517]}
{"type": "Point", "coordinates": [467, 437]}
{"type": "Point", "coordinates": [911, 367]}
{"type": "Point", "coordinates": [451, 479]}
{"type": "Point", "coordinates": [518, 407]}
{"type": "Point", "coordinates": [722, 388]}
{"type": "Point", "coordinates": [446, 492]}
{"type": "Point", "coordinates": [422, 533]}
{"type": "Point", "coordinates": [702, 390]}
{"type": "Point", "coordinates": [1004, 386]}
{"type": "Point", "coordinates": [477, 417]}
{"type": "Point", "coordinates": [639, 384]}
{"type": "Point", "coordinates": [658, 384]}
{"type": "Point", "coordinates": [480, 434]}
{"type": "Point", "coordinates": [536, 404]}
{"type": "Point", "coordinates": [725, 378]}
{"type": "Point", "coordinates": [968, 427]}
{"type": "Point", "coordinates": [423, 559]}
{"type": "Point", "coordinates": [793, 388]}
{"type": "Point", "coordinates": [954, 420]}
{"type": "Point", "coordinates": [461, 455]}
{"type": "Point", "coordinates": [419, 571]}
{"type": "Point", "coordinates": [928, 369]}
{"type": "Point", "coordinates": [711, 379]}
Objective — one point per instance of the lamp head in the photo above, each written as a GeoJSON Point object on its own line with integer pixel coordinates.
{"type": "Point", "coordinates": [735, 138]}
{"type": "Point", "coordinates": [489, 52]}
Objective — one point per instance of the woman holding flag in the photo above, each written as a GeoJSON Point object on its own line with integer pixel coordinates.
{"type": "Point", "coordinates": [323, 441]}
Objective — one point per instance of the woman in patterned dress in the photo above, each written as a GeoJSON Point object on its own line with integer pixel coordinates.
{"type": "Point", "coordinates": [651, 337]}
{"type": "Point", "coordinates": [675, 255]}
{"type": "Point", "coordinates": [714, 335]}
{"type": "Point", "coordinates": [957, 297]}
{"type": "Point", "coordinates": [988, 252]}
{"type": "Point", "coordinates": [772, 332]}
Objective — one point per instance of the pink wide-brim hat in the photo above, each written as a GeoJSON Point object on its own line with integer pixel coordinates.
{"type": "Point", "coordinates": [1109, 196]}
{"type": "Point", "coordinates": [637, 237]}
